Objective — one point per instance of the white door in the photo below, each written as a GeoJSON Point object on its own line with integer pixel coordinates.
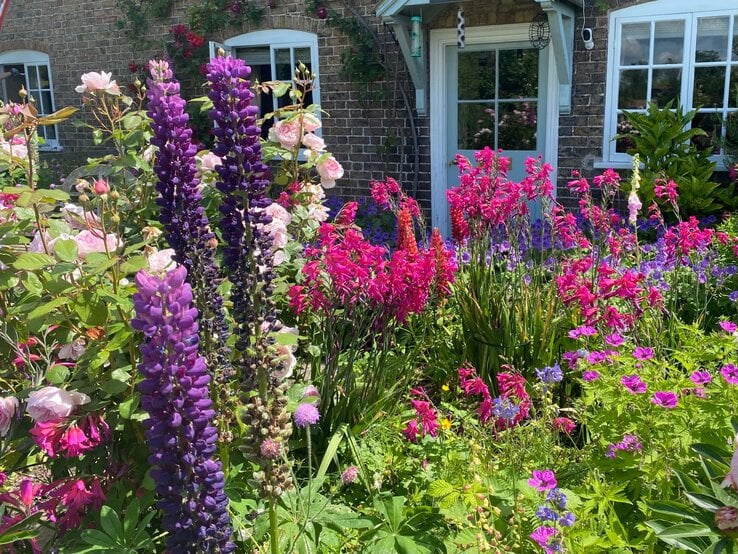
{"type": "Point", "coordinates": [490, 93]}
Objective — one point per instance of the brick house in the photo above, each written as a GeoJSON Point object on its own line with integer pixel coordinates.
{"type": "Point", "coordinates": [547, 77]}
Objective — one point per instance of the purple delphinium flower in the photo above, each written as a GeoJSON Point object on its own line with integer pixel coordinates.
{"type": "Point", "coordinates": [733, 296]}
{"type": "Point", "coordinates": [306, 414]}
{"type": "Point", "coordinates": [542, 480]}
{"type": "Point", "coordinates": [186, 225]}
{"type": "Point", "coordinates": [700, 377]}
{"type": "Point", "coordinates": [550, 375]}
{"type": "Point", "coordinates": [730, 373]}
{"type": "Point", "coordinates": [179, 430]}
{"type": "Point", "coordinates": [557, 497]}
{"type": "Point", "coordinates": [665, 399]}
{"type": "Point", "coordinates": [633, 383]}
{"type": "Point", "coordinates": [243, 179]}
{"type": "Point", "coordinates": [567, 520]}
{"type": "Point", "coordinates": [505, 409]}
{"type": "Point", "coordinates": [643, 353]}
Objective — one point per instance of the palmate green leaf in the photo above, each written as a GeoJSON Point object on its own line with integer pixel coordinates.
{"type": "Point", "coordinates": [111, 524]}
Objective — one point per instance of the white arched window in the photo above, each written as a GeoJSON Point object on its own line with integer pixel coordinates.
{"type": "Point", "coordinates": [273, 55]}
{"type": "Point", "coordinates": [678, 50]}
{"type": "Point", "coordinates": [30, 70]}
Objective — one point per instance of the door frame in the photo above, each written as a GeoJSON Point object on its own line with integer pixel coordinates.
{"type": "Point", "coordinates": [548, 106]}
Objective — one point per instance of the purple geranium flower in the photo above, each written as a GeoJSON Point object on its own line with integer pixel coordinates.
{"type": "Point", "coordinates": [543, 534]}
{"type": "Point", "coordinates": [633, 383]}
{"type": "Point", "coordinates": [665, 399]}
{"type": "Point", "coordinates": [614, 339]}
{"type": "Point", "coordinates": [730, 373]}
{"type": "Point", "coordinates": [582, 331]}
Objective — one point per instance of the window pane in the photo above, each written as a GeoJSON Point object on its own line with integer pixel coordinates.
{"type": "Point", "coordinates": [622, 145]}
{"type": "Point", "coordinates": [635, 43]}
{"type": "Point", "coordinates": [476, 75]}
{"type": "Point", "coordinates": [518, 73]}
{"type": "Point", "coordinates": [46, 99]}
{"type": "Point", "coordinates": [517, 128]}
{"type": "Point", "coordinates": [632, 92]}
{"type": "Point", "coordinates": [50, 132]}
{"type": "Point", "coordinates": [712, 39]}
{"type": "Point", "coordinates": [733, 91]}
{"type": "Point", "coordinates": [255, 55]}
{"type": "Point", "coordinates": [710, 123]}
{"type": "Point", "coordinates": [668, 42]}
{"type": "Point", "coordinates": [709, 85]}
{"type": "Point", "coordinates": [303, 55]}
{"type": "Point", "coordinates": [735, 38]}
{"type": "Point", "coordinates": [476, 126]}
{"type": "Point", "coordinates": [283, 64]}
{"type": "Point", "coordinates": [32, 77]}
{"type": "Point", "coordinates": [43, 71]}
{"type": "Point", "coordinates": [14, 83]}
{"type": "Point", "coordinates": [665, 86]}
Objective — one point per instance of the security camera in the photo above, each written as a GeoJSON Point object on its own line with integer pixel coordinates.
{"type": "Point", "coordinates": [587, 38]}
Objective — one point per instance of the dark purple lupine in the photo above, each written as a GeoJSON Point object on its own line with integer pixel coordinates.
{"type": "Point", "coordinates": [243, 179]}
{"type": "Point", "coordinates": [186, 225]}
{"type": "Point", "coordinates": [179, 430]}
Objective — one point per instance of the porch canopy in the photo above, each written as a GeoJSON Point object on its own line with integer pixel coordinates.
{"type": "Point", "coordinates": [398, 13]}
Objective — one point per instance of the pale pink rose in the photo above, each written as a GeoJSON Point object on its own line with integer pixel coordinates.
{"type": "Point", "coordinates": [280, 238]}
{"type": "Point", "coordinates": [314, 142]}
{"type": "Point", "coordinates": [53, 403]}
{"type": "Point", "coordinates": [8, 407]}
{"type": "Point", "coordinates": [731, 479]}
{"type": "Point", "coordinates": [161, 261]}
{"type": "Point", "coordinates": [16, 148]}
{"type": "Point", "coordinates": [148, 154]}
{"type": "Point", "coordinates": [88, 242]}
{"type": "Point", "coordinates": [72, 350]}
{"type": "Point", "coordinates": [37, 245]}
{"type": "Point", "coordinates": [209, 161]}
{"type": "Point", "coordinates": [286, 133]}
{"type": "Point", "coordinates": [77, 218]}
{"type": "Point", "coordinates": [318, 212]}
{"type": "Point", "coordinates": [310, 123]}
{"type": "Point", "coordinates": [329, 170]}
{"type": "Point", "coordinates": [316, 191]}
{"type": "Point", "coordinates": [278, 214]}
{"type": "Point", "coordinates": [93, 81]}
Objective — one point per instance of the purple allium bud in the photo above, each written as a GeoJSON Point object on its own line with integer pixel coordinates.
{"type": "Point", "coordinates": [349, 475]}
{"type": "Point", "coordinates": [306, 414]}
{"type": "Point", "coordinates": [179, 431]}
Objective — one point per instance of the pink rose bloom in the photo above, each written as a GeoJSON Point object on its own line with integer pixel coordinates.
{"type": "Point", "coordinates": [88, 242]}
{"type": "Point", "coordinates": [310, 123]}
{"type": "Point", "coordinates": [161, 261]}
{"type": "Point", "coordinates": [8, 407]}
{"type": "Point", "coordinates": [77, 218]}
{"type": "Point", "coordinates": [286, 133]}
{"type": "Point", "coordinates": [314, 142]}
{"type": "Point", "coordinates": [51, 403]}
{"type": "Point", "coordinates": [37, 245]}
{"type": "Point", "coordinates": [92, 82]}
{"type": "Point", "coordinates": [15, 148]}
{"type": "Point", "coordinates": [329, 170]}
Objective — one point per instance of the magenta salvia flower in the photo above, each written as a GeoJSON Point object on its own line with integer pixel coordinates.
{"type": "Point", "coordinates": [542, 480]}
{"type": "Point", "coordinates": [643, 353]}
{"type": "Point", "coordinates": [665, 399]}
{"type": "Point", "coordinates": [590, 375]}
{"type": "Point", "coordinates": [701, 377]}
{"type": "Point", "coordinates": [730, 373]}
{"type": "Point", "coordinates": [349, 475]}
{"type": "Point", "coordinates": [179, 430]}
{"type": "Point", "coordinates": [728, 326]}
{"type": "Point", "coordinates": [633, 383]}
{"type": "Point", "coordinates": [306, 414]}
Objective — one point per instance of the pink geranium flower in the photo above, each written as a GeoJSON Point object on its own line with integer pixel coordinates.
{"type": "Point", "coordinates": [643, 353]}
{"type": "Point", "coordinates": [633, 383]}
{"type": "Point", "coordinates": [543, 480]}
{"type": "Point", "coordinates": [728, 326]}
{"type": "Point", "coordinates": [730, 373]}
{"type": "Point", "coordinates": [700, 377]}
{"type": "Point", "coordinates": [590, 375]}
{"type": "Point", "coordinates": [665, 399]}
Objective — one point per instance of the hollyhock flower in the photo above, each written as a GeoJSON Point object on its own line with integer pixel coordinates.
{"type": "Point", "coordinates": [51, 403]}
{"type": "Point", "coordinates": [643, 353]}
{"type": "Point", "coordinates": [93, 82]}
{"type": "Point", "coordinates": [179, 430]}
{"type": "Point", "coordinates": [730, 373]}
{"type": "Point", "coordinates": [633, 383]}
{"type": "Point", "coordinates": [329, 170]}
{"type": "Point", "coordinates": [89, 241]}
{"type": "Point", "coordinates": [542, 480]}
{"type": "Point", "coordinates": [728, 326]}
{"type": "Point", "coordinates": [306, 414]}
{"type": "Point", "coordinates": [701, 377]}
{"type": "Point", "coordinates": [564, 424]}
{"type": "Point", "coordinates": [590, 376]}
{"type": "Point", "coordinates": [665, 399]}
{"type": "Point", "coordinates": [8, 409]}
{"type": "Point", "coordinates": [349, 475]}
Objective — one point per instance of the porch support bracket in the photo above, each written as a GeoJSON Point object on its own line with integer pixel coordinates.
{"type": "Point", "coordinates": [561, 21]}
{"type": "Point", "coordinates": [416, 65]}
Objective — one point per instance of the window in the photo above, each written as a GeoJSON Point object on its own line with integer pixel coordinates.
{"type": "Point", "coordinates": [673, 50]}
{"type": "Point", "coordinates": [273, 55]}
{"type": "Point", "coordinates": [30, 70]}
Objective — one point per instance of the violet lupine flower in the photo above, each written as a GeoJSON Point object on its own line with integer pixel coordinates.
{"type": "Point", "coordinates": [243, 179]}
{"type": "Point", "coordinates": [179, 430]}
{"type": "Point", "coordinates": [186, 225]}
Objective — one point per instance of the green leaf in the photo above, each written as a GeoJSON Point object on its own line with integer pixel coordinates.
{"type": "Point", "coordinates": [57, 374]}
{"type": "Point", "coordinates": [128, 407]}
{"type": "Point", "coordinates": [110, 522]}
{"type": "Point", "coordinates": [685, 530]}
{"type": "Point", "coordinates": [712, 452]}
{"type": "Point", "coordinates": [100, 539]}
{"type": "Point", "coordinates": [48, 307]}
{"type": "Point", "coordinates": [66, 250]}
{"type": "Point", "coordinates": [705, 501]}
{"type": "Point", "coordinates": [32, 261]}
{"type": "Point", "coordinates": [130, 521]}
{"type": "Point", "coordinates": [330, 451]}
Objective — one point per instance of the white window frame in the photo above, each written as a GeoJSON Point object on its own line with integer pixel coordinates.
{"type": "Point", "coordinates": [280, 39]}
{"type": "Point", "coordinates": [660, 10]}
{"type": "Point", "coordinates": [31, 59]}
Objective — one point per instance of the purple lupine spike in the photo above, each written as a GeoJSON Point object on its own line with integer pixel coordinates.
{"type": "Point", "coordinates": [243, 180]}
{"type": "Point", "coordinates": [179, 431]}
{"type": "Point", "coordinates": [181, 211]}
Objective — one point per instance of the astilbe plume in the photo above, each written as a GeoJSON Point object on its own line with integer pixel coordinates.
{"type": "Point", "coordinates": [179, 430]}
{"type": "Point", "coordinates": [243, 179]}
{"type": "Point", "coordinates": [186, 225]}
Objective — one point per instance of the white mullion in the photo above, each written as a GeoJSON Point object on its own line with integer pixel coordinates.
{"type": "Point", "coordinates": [273, 62]}
{"type": "Point", "coordinates": [690, 46]}
{"type": "Point", "coordinates": [649, 78]}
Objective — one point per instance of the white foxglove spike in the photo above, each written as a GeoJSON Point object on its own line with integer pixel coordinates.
{"type": "Point", "coordinates": [460, 32]}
